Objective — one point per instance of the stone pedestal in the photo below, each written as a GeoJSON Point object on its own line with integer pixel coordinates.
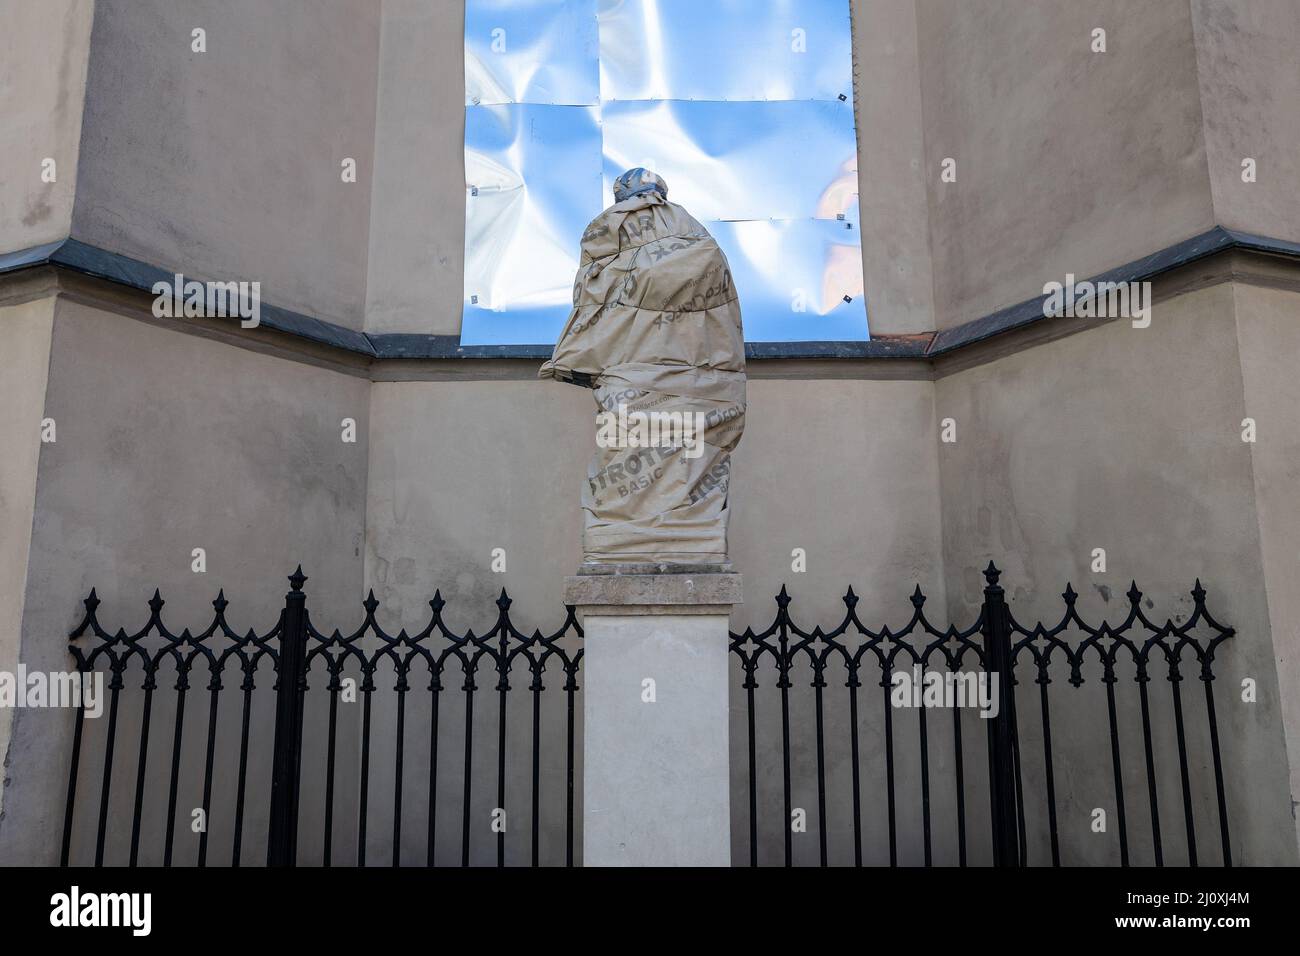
{"type": "Point", "coordinates": [655, 776]}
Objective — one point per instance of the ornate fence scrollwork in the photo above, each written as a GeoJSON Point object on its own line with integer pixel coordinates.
{"type": "Point", "coordinates": [438, 661]}
{"type": "Point", "coordinates": [994, 641]}
{"type": "Point", "coordinates": [434, 653]}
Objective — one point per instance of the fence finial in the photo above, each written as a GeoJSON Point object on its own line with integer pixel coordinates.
{"type": "Point", "coordinates": [296, 579]}
{"type": "Point", "coordinates": [991, 574]}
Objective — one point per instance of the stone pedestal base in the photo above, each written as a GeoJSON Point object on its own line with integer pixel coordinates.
{"type": "Point", "coordinates": [655, 771]}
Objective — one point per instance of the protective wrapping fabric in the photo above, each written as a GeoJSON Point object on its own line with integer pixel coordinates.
{"type": "Point", "coordinates": [656, 328]}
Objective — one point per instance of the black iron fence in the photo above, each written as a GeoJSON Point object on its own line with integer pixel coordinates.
{"type": "Point", "coordinates": [295, 647]}
{"type": "Point", "coordinates": [994, 644]}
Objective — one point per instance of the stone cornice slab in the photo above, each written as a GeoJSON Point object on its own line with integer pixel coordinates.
{"type": "Point", "coordinates": [84, 259]}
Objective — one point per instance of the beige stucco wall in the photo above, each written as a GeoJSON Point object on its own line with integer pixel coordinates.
{"type": "Point", "coordinates": [44, 48]}
{"type": "Point", "coordinates": [24, 364]}
{"type": "Point", "coordinates": [226, 164]}
{"type": "Point", "coordinates": [892, 178]}
{"type": "Point", "coordinates": [417, 217]}
{"type": "Point", "coordinates": [1269, 338]}
{"type": "Point", "coordinates": [1111, 141]}
{"type": "Point", "coordinates": [1130, 440]}
{"type": "Point", "coordinates": [1246, 61]}
{"type": "Point", "coordinates": [201, 446]}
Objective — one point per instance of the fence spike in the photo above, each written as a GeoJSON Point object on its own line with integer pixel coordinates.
{"type": "Point", "coordinates": [991, 573]}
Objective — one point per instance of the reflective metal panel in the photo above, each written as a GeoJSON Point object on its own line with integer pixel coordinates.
{"type": "Point", "coordinates": [725, 50]}
{"type": "Point", "coordinates": [736, 103]}
{"type": "Point", "coordinates": [742, 160]}
{"type": "Point", "coordinates": [531, 51]}
{"type": "Point", "coordinates": [532, 183]}
{"type": "Point", "coordinates": [793, 276]}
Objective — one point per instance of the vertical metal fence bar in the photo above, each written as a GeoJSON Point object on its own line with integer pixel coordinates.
{"type": "Point", "coordinates": [247, 688]}
{"type": "Point", "coordinates": [750, 686]}
{"type": "Point", "coordinates": [1176, 680]}
{"type": "Point", "coordinates": [1001, 730]}
{"type": "Point", "coordinates": [471, 666]}
{"type": "Point", "coordinates": [1021, 835]}
{"type": "Point", "coordinates": [138, 809]}
{"type": "Point", "coordinates": [853, 744]}
{"type": "Point", "coordinates": [115, 685]}
{"type": "Point", "coordinates": [331, 747]}
{"type": "Point", "coordinates": [435, 687]}
{"type": "Point", "coordinates": [961, 786]}
{"type": "Point", "coordinates": [537, 767]}
{"type": "Point", "coordinates": [502, 688]}
{"type": "Point", "coordinates": [1207, 677]}
{"type": "Point", "coordinates": [71, 803]}
{"type": "Point", "coordinates": [570, 688]}
{"type": "Point", "coordinates": [1043, 681]}
{"type": "Point", "coordinates": [282, 842]}
{"type": "Point", "coordinates": [925, 780]}
{"type": "Point", "coordinates": [214, 687]}
{"type": "Point", "coordinates": [818, 684]}
{"type": "Point", "coordinates": [363, 809]}
{"type": "Point", "coordinates": [282, 836]}
{"type": "Point", "coordinates": [182, 687]}
{"type": "Point", "coordinates": [1149, 753]}
{"type": "Point", "coordinates": [885, 680]}
{"type": "Point", "coordinates": [783, 683]}
{"type": "Point", "coordinates": [397, 765]}
{"type": "Point", "coordinates": [1108, 678]}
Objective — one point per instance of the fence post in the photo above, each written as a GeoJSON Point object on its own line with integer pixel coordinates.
{"type": "Point", "coordinates": [282, 842]}
{"type": "Point", "coordinates": [1002, 727]}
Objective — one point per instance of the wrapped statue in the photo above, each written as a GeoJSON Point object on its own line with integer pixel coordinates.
{"type": "Point", "coordinates": [655, 332]}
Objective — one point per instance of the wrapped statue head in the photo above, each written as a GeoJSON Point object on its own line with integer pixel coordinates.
{"type": "Point", "coordinates": [636, 181]}
{"type": "Point", "coordinates": [655, 331]}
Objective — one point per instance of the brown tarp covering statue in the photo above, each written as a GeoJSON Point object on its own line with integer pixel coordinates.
{"type": "Point", "coordinates": [655, 332]}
